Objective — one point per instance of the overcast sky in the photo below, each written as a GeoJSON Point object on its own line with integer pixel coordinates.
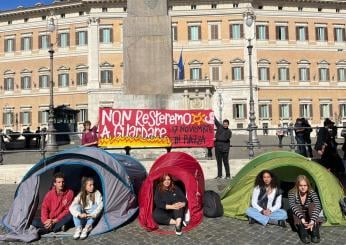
{"type": "Point", "coordinates": [12, 4]}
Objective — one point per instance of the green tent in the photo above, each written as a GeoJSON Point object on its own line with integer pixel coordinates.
{"type": "Point", "coordinates": [287, 166]}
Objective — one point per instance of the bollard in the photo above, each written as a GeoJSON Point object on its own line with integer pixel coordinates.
{"type": "Point", "coordinates": [127, 150]}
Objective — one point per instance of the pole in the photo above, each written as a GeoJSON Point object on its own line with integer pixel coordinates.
{"type": "Point", "coordinates": [253, 140]}
{"type": "Point", "coordinates": [51, 140]}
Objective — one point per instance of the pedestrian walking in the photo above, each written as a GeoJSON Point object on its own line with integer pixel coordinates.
{"type": "Point", "coordinates": [281, 134]}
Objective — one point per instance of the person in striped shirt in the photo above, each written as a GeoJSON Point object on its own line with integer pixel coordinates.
{"type": "Point", "coordinates": [306, 207]}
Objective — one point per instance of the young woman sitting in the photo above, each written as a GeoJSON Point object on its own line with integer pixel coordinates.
{"type": "Point", "coordinates": [170, 203]}
{"type": "Point", "coordinates": [306, 207]}
{"type": "Point", "coordinates": [85, 208]}
{"type": "Point", "coordinates": [266, 201]}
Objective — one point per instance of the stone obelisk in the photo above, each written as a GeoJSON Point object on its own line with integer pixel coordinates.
{"type": "Point", "coordinates": [147, 49]}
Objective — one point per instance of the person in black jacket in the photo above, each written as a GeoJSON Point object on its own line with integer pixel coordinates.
{"type": "Point", "coordinates": [170, 203]}
{"type": "Point", "coordinates": [222, 144]}
{"type": "Point", "coordinates": [307, 137]}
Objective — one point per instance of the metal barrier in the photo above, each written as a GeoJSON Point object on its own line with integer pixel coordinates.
{"type": "Point", "coordinates": [41, 137]}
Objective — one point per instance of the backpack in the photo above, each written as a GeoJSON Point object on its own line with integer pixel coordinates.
{"type": "Point", "coordinates": [343, 205]}
{"type": "Point", "coordinates": [212, 206]}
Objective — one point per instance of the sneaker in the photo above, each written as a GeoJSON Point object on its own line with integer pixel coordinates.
{"type": "Point", "coordinates": [252, 221]}
{"type": "Point", "coordinates": [282, 223]}
{"type": "Point", "coordinates": [64, 228]}
{"type": "Point", "coordinates": [85, 232]}
{"type": "Point", "coordinates": [77, 233]}
{"type": "Point", "coordinates": [178, 230]}
{"type": "Point", "coordinates": [217, 177]}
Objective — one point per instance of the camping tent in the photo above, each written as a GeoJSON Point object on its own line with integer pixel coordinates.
{"type": "Point", "coordinates": [187, 173]}
{"type": "Point", "coordinates": [116, 176]}
{"type": "Point", "coordinates": [287, 166]}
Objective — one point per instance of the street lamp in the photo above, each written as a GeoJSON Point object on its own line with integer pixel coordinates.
{"type": "Point", "coordinates": [51, 140]}
{"type": "Point", "coordinates": [220, 101]}
{"type": "Point", "coordinates": [252, 127]}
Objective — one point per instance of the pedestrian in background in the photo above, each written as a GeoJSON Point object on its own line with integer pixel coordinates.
{"type": "Point", "coordinates": [281, 134]}
{"type": "Point", "coordinates": [307, 137]}
{"type": "Point", "coordinates": [89, 136]}
{"type": "Point", "coordinates": [222, 146]}
{"type": "Point", "coordinates": [300, 136]}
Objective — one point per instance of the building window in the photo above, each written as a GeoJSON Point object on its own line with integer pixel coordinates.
{"type": "Point", "coordinates": [285, 111]}
{"type": "Point", "coordinates": [325, 110]}
{"type": "Point", "coordinates": [323, 74]}
{"type": "Point", "coordinates": [107, 76]}
{"type": "Point", "coordinates": [106, 35]}
{"type": "Point", "coordinates": [8, 117]}
{"type": "Point", "coordinates": [26, 82]}
{"type": "Point", "coordinates": [339, 34]}
{"type": "Point", "coordinates": [342, 112]}
{"type": "Point", "coordinates": [43, 117]}
{"type": "Point", "coordinates": [263, 73]}
{"type": "Point", "coordinates": [321, 34]}
{"type": "Point", "coordinates": [304, 74]}
{"type": "Point", "coordinates": [44, 41]}
{"type": "Point", "coordinates": [81, 38]}
{"type": "Point", "coordinates": [342, 74]}
{"type": "Point", "coordinates": [264, 111]}
{"type": "Point", "coordinates": [63, 80]}
{"type": "Point", "coordinates": [194, 33]}
{"type": "Point", "coordinates": [82, 115]}
{"type": "Point", "coordinates": [239, 111]}
{"type": "Point", "coordinates": [262, 32]}
{"type": "Point", "coordinates": [43, 81]}
{"type": "Point", "coordinates": [64, 40]}
{"type": "Point", "coordinates": [195, 73]}
{"type": "Point", "coordinates": [25, 117]}
{"type": "Point", "coordinates": [214, 31]}
{"type": "Point", "coordinates": [9, 45]}
{"type": "Point", "coordinates": [236, 31]}
{"type": "Point", "coordinates": [284, 74]}
{"type": "Point", "coordinates": [175, 33]}
{"type": "Point", "coordinates": [26, 43]}
{"type": "Point", "coordinates": [82, 78]}
{"type": "Point", "coordinates": [215, 73]}
{"type": "Point", "coordinates": [193, 6]}
{"type": "Point", "coordinates": [175, 72]}
{"type": "Point", "coordinates": [305, 110]}
{"type": "Point", "coordinates": [238, 73]}
{"type": "Point", "coordinates": [302, 33]}
{"type": "Point", "coordinates": [9, 84]}
{"type": "Point", "coordinates": [282, 33]}
{"type": "Point", "coordinates": [104, 10]}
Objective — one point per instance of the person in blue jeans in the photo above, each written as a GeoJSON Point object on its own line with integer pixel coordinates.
{"type": "Point", "coordinates": [266, 201]}
{"type": "Point", "coordinates": [85, 208]}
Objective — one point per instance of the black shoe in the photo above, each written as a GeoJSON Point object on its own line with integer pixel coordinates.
{"type": "Point", "coordinates": [303, 234]}
{"type": "Point", "coordinates": [315, 234]}
{"type": "Point", "coordinates": [64, 228]}
{"type": "Point", "coordinates": [252, 221]}
{"type": "Point", "coordinates": [282, 223]}
{"type": "Point", "coordinates": [218, 177]}
{"type": "Point", "coordinates": [178, 230]}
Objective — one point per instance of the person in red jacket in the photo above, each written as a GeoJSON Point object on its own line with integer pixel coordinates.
{"type": "Point", "coordinates": [55, 214]}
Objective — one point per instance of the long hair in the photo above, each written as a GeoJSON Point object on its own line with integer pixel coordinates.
{"type": "Point", "coordinates": [171, 187]}
{"type": "Point", "coordinates": [84, 193]}
{"type": "Point", "coordinates": [299, 179]}
{"type": "Point", "coordinates": [259, 179]}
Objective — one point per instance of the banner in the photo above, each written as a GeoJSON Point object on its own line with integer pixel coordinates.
{"type": "Point", "coordinates": [155, 128]}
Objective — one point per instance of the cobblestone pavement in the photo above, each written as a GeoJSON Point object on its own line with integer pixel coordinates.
{"type": "Point", "coordinates": [211, 231]}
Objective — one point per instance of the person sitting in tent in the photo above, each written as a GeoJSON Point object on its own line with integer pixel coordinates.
{"type": "Point", "coordinates": [89, 136]}
{"type": "Point", "coordinates": [85, 208]}
{"type": "Point", "coordinates": [266, 201]}
{"type": "Point", "coordinates": [55, 213]}
{"type": "Point", "coordinates": [170, 203]}
{"type": "Point", "coordinates": [306, 207]}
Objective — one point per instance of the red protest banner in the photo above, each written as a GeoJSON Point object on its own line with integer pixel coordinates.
{"type": "Point", "coordinates": [156, 128]}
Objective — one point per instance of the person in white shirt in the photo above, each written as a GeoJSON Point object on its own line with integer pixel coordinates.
{"type": "Point", "coordinates": [85, 208]}
{"type": "Point", "coordinates": [266, 201]}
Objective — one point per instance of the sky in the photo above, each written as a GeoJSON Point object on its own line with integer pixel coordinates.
{"type": "Point", "coordinates": [12, 4]}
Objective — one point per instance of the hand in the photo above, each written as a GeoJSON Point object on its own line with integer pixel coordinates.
{"type": "Point", "coordinates": [48, 224]}
{"type": "Point", "coordinates": [320, 152]}
{"type": "Point", "coordinates": [181, 204]}
{"type": "Point", "coordinates": [310, 226]}
{"type": "Point", "coordinates": [82, 216]}
{"type": "Point", "coordinates": [304, 222]}
{"type": "Point", "coordinates": [266, 212]}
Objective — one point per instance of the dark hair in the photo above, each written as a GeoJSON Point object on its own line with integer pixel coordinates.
{"type": "Point", "coordinates": [259, 179]}
{"type": "Point", "coordinates": [86, 122]}
{"type": "Point", "coordinates": [59, 175]}
{"type": "Point", "coordinates": [84, 193]}
{"type": "Point", "coordinates": [226, 121]}
{"type": "Point", "coordinates": [171, 187]}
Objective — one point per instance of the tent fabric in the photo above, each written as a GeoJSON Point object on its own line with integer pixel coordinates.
{"type": "Point", "coordinates": [114, 177]}
{"type": "Point", "coordinates": [183, 168]}
{"type": "Point", "coordinates": [287, 166]}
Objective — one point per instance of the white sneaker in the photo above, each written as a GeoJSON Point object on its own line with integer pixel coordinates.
{"type": "Point", "coordinates": [85, 231]}
{"type": "Point", "coordinates": [77, 232]}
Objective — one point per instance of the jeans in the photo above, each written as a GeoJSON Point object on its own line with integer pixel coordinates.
{"type": "Point", "coordinates": [79, 222]}
{"type": "Point", "coordinates": [279, 214]}
{"type": "Point", "coordinates": [57, 227]}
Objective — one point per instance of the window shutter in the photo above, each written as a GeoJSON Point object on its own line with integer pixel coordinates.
{"type": "Point", "coordinates": [29, 80]}
{"type": "Point", "coordinates": [270, 111]}
{"type": "Point", "coordinates": [334, 31]}
{"type": "Point", "coordinates": [290, 110]}
{"type": "Point", "coordinates": [101, 35]}
{"type": "Point", "coordinates": [30, 115]}
{"type": "Point", "coordinates": [308, 73]}
{"type": "Point", "coordinates": [321, 111]}
{"type": "Point", "coordinates": [319, 74]}
{"type": "Point", "coordinates": [199, 33]}
{"type": "Point", "coordinates": [241, 31]}
{"type": "Point", "coordinates": [189, 32]}
{"type": "Point", "coordinates": [280, 111]}
{"type": "Point", "coordinates": [288, 74]}
{"type": "Point", "coordinates": [40, 81]}
{"type": "Point", "coordinates": [310, 107]}
{"type": "Point", "coordinates": [78, 78]}
{"type": "Point", "coordinates": [328, 77]}
{"type": "Point", "coordinates": [199, 73]}
{"type": "Point", "coordinates": [277, 32]}
{"type": "Point", "coordinates": [60, 80]}
{"type": "Point", "coordinates": [338, 73]}
{"type": "Point", "coordinates": [6, 45]}
{"type": "Point", "coordinates": [257, 32]}
{"type": "Point", "coordinates": [297, 33]}
{"type": "Point", "coordinates": [59, 39]}
{"type": "Point", "coordinates": [110, 77]}
{"type": "Point", "coordinates": [22, 82]}
{"type": "Point", "coordinates": [102, 76]}
{"type": "Point", "coordinates": [234, 111]}
{"type": "Point", "coordinates": [306, 33]}
{"type": "Point", "coordinates": [317, 37]}
{"type": "Point", "coordinates": [3, 118]}
{"type": "Point", "coordinates": [326, 33]}
{"type": "Point", "coordinates": [217, 31]}
{"type": "Point", "coordinates": [286, 32]}
{"type": "Point", "coordinates": [245, 110]}
{"type": "Point", "coordinates": [5, 84]}
{"type": "Point", "coordinates": [301, 111]}
{"type": "Point", "coordinates": [30, 43]}
{"type": "Point", "coordinates": [268, 74]}
{"type": "Point", "coordinates": [259, 111]}
{"type": "Point", "coordinates": [14, 45]}
{"type": "Point", "coordinates": [344, 34]}
{"type": "Point", "coordinates": [111, 34]}
{"type": "Point", "coordinates": [21, 119]}
{"type": "Point", "coordinates": [12, 117]}
{"type": "Point", "coordinates": [68, 80]}
{"type": "Point", "coordinates": [86, 37]}
{"type": "Point", "coordinates": [40, 117]}
{"type": "Point", "coordinates": [230, 31]}
{"type": "Point", "coordinates": [233, 78]}
{"type": "Point", "coordinates": [175, 34]}
{"type": "Point", "coordinates": [267, 32]}
{"type": "Point", "coordinates": [40, 40]}
{"type": "Point", "coordinates": [68, 39]}
{"type": "Point", "coordinates": [330, 110]}
{"type": "Point", "coordinates": [77, 37]}
{"type": "Point", "coordinates": [242, 73]}
{"type": "Point", "coordinates": [22, 43]}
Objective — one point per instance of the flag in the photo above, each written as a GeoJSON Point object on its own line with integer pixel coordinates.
{"type": "Point", "coordinates": [181, 67]}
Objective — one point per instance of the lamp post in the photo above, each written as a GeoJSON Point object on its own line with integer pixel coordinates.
{"type": "Point", "coordinates": [220, 102]}
{"type": "Point", "coordinates": [51, 140]}
{"type": "Point", "coordinates": [252, 127]}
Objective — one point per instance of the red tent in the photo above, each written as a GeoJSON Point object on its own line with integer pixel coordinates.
{"type": "Point", "coordinates": [183, 168]}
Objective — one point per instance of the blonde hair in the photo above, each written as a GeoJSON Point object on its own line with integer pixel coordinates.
{"type": "Point", "coordinates": [299, 179]}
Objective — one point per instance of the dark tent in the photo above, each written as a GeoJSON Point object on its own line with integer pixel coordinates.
{"type": "Point", "coordinates": [116, 176]}
{"type": "Point", "coordinates": [186, 171]}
